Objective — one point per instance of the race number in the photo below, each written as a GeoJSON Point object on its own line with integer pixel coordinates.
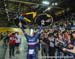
{"type": "Point", "coordinates": [31, 51]}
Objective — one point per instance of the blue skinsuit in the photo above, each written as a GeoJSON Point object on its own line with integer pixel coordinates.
{"type": "Point", "coordinates": [32, 44]}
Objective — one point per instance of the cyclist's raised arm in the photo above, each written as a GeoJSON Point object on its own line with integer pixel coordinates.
{"type": "Point", "coordinates": [21, 27]}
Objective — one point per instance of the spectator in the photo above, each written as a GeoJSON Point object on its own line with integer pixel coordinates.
{"type": "Point", "coordinates": [5, 40]}
{"type": "Point", "coordinates": [12, 42]}
{"type": "Point", "coordinates": [58, 43]}
{"type": "Point", "coordinates": [45, 44]}
{"type": "Point", "coordinates": [73, 38]}
{"type": "Point", "coordinates": [18, 41]}
{"type": "Point", "coordinates": [51, 45]}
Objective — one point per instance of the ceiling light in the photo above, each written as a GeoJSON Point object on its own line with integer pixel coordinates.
{"type": "Point", "coordinates": [53, 4]}
{"type": "Point", "coordinates": [45, 2]}
{"type": "Point", "coordinates": [49, 8]}
{"type": "Point", "coordinates": [56, 3]}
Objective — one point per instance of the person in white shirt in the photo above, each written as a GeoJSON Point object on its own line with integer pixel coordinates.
{"type": "Point", "coordinates": [18, 41]}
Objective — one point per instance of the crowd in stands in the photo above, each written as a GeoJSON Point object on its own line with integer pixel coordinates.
{"type": "Point", "coordinates": [60, 35]}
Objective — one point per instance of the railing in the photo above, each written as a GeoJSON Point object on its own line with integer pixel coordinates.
{"type": "Point", "coordinates": [56, 57]}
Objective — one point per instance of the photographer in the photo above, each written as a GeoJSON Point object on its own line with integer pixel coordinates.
{"type": "Point", "coordinates": [59, 44]}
